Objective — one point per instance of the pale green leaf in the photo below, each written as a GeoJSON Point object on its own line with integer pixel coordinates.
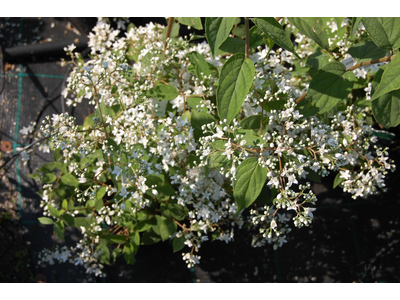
{"type": "Point", "coordinates": [163, 92]}
{"type": "Point", "coordinates": [69, 180]}
{"type": "Point", "coordinates": [45, 221]}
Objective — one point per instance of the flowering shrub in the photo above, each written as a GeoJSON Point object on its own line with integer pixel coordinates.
{"type": "Point", "coordinates": [191, 141]}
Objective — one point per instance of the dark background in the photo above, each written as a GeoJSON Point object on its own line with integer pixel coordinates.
{"type": "Point", "coordinates": [348, 241]}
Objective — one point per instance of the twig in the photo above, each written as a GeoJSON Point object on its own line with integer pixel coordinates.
{"type": "Point", "coordinates": [371, 62]}
{"type": "Point", "coordinates": [246, 20]}
{"type": "Point", "coordinates": [169, 28]}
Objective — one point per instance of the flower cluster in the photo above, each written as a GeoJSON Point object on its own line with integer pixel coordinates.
{"type": "Point", "coordinates": [154, 163]}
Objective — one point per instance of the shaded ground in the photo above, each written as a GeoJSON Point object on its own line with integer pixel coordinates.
{"type": "Point", "coordinates": [348, 241]}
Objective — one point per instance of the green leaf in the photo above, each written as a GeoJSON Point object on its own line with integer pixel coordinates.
{"type": "Point", "coordinates": [64, 204]}
{"type": "Point", "coordinates": [316, 61]}
{"type": "Point", "coordinates": [162, 92]}
{"type": "Point", "coordinates": [200, 65]}
{"type": "Point", "coordinates": [145, 225]}
{"type": "Point", "coordinates": [47, 167]}
{"type": "Point", "coordinates": [118, 239]}
{"type": "Point", "coordinates": [390, 79]}
{"type": "Point", "coordinates": [251, 138]}
{"type": "Point", "coordinates": [386, 109]}
{"type": "Point", "coordinates": [236, 78]}
{"type": "Point", "coordinates": [49, 177]}
{"type": "Point", "coordinates": [103, 253]}
{"type": "Point", "coordinates": [194, 22]}
{"type": "Point", "coordinates": [134, 239]}
{"type": "Point", "coordinates": [45, 221]}
{"type": "Point", "coordinates": [217, 160]}
{"type": "Point", "coordinates": [195, 103]}
{"type": "Point", "coordinates": [162, 187]}
{"type": "Point", "coordinates": [69, 220]}
{"type": "Point", "coordinates": [98, 203]}
{"type": "Point", "coordinates": [385, 32]}
{"type": "Point", "coordinates": [178, 243]}
{"type": "Point", "coordinates": [53, 211]}
{"type": "Point", "coordinates": [217, 31]}
{"type": "Point", "coordinates": [255, 37]}
{"type": "Point", "coordinates": [81, 221]}
{"type": "Point", "coordinates": [329, 86]}
{"type": "Point", "coordinates": [178, 211]}
{"type": "Point", "coordinates": [366, 51]}
{"type": "Point", "coordinates": [59, 230]}
{"type": "Point", "coordinates": [166, 227]}
{"type": "Point", "coordinates": [239, 31]}
{"type": "Point", "coordinates": [88, 121]}
{"type": "Point", "coordinates": [312, 28]}
{"type": "Point", "coordinates": [384, 135]}
{"type": "Point", "coordinates": [249, 183]}
{"type": "Point", "coordinates": [252, 122]}
{"type": "Point", "coordinates": [174, 31]}
{"type": "Point", "coordinates": [313, 176]}
{"type": "Point", "coordinates": [129, 258]}
{"type": "Point", "coordinates": [233, 45]}
{"type": "Point", "coordinates": [69, 180]}
{"type": "Point", "coordinates": [57, 154]}
{"type": "Point", "coordinates": [198, 120]}
{"type": "Point", "coordinates": [275, 32]}
{"type": "Point", "coordinates": [354, 26]}
{"type": "Point", "coordinates": [115, 253]}
{"type": "Point", "coordinates": [338, 180]}
{"type": "Point", "coordinates": [150, 237]}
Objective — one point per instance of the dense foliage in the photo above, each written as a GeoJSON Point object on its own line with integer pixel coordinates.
{"type": "Point", "coordinates": [192, 140]}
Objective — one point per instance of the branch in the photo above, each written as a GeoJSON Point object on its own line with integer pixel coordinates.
{"type": "Point", "coordinates": [301, 98]}
{"type": "Point", "coordinates": [247, 37]}
{"type": "Point", "coordinates": [169, 28]}
{"type": "Point", "coordinates": [371, 62]}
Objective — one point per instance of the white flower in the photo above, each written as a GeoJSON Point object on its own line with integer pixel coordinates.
{"type": "Point", "coordinates": [308, 211]}
{"type": "Point", "coordinates": [123, 193]}
{"type": "Point", "coordinates": [291, 179]}
{"type": "Point", "coordinates": [273, 224]}
{"type": "Point", "coordinates": [258, 83]}
{"type": "Point", "coordinates": [345, 174]}
{"type": "Point", "coordinates": [315, 167]}
{"type": "Point", "coordinates": [117, 171]}
{"type": "Point", "coordinates": [219, 133]}
{"type": "Point", "coordinates": [274, 182]}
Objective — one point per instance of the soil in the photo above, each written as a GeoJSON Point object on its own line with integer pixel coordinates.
{"type": "Point", "coordinates": [348, 241]}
